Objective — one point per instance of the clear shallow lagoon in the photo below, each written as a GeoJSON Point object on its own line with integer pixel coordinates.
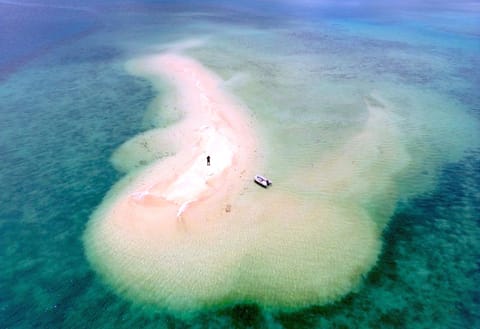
{"type": "Point", "coordinates": [66, 104]}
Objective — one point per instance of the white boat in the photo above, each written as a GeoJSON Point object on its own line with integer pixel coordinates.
{"type": "Point", "coordinates": [262, 181]}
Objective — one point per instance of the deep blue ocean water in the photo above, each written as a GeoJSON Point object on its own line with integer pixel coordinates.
{"type": "Point", "coordinates": [66, 103]}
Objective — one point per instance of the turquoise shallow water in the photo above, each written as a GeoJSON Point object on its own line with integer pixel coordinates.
{"type": "Point", "coordinates": [66, 109]}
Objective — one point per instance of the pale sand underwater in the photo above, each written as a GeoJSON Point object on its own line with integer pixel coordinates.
{"type": "Point", "coordinates": [350, 117]}
{"type": "Point", "coordinates": [185, 236]}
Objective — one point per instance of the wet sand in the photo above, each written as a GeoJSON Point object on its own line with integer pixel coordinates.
{"type": "Point", "coordinates": [183, 189]}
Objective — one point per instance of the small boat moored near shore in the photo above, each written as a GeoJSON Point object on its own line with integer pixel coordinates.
{"type": "Point", "coordinates": [262, 181]}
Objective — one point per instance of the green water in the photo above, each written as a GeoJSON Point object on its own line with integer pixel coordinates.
{"type": "Point", "coordinates": [305, 80]}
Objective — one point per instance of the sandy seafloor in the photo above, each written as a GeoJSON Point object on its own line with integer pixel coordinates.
{"type": "Point", "coordinates": [308, 74]}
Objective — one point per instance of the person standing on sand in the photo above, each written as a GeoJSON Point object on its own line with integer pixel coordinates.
{"type": "Point", "coordinates": [208, 160]}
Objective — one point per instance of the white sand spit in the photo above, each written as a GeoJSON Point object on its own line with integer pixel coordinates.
{"type": "Point", "coordinates": [186, 236]}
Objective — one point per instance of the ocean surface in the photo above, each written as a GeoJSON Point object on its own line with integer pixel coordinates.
{"type": "Point", "coordinates": [307, 71]}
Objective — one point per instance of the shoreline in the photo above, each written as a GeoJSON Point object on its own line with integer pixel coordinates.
{"type": "Point", "coordinates": [182, 187]}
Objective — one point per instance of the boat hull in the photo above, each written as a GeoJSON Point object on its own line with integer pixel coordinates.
{"type": "Point", "coordinates": [262, 181]}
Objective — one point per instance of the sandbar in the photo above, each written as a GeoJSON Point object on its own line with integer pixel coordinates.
{"type": "Point", "coordinates": [183, 235]}
{"type": "Point", "coordinates": [183, 187]}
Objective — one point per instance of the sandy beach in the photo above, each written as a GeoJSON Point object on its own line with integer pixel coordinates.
{"type": "Point", "coordinates": [183, 189]}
